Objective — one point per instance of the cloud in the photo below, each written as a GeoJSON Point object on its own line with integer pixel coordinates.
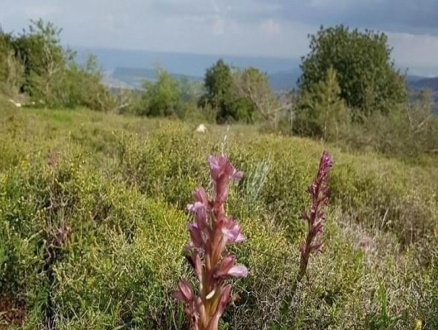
{"type": "Point", "coordinates": [245, 27]}
{"type": "Point", "coordinates": [410, 16]}
{"type": "Point", "coordinates": [415, 51]}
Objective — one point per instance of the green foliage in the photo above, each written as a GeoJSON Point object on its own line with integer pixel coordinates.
{"type": "Point", "coordinates": [253, 85]}
{"type": "Point", "coordinates": [323, 113]}
{"type": "Point", "coordinates": [11, 68]}
{"type": "Point", "coordinates": [409, 132]}
{"type": "Point", "coordinates": [35, 64]}
{"type": "Point", "coordinates": [221, 97]}
{"type": "Point", "coordinates": [162, 98]}
{"type": "Point", "coordinates": [217, 83]}
{"type": "Point", "coordinates": [84, 87]}
{"type": "Point", "coordinates": [121, 185]}
{"type": "Point", "coordinates": [366, 75]}
{"type": "Point", "coordinates": [43, 58]}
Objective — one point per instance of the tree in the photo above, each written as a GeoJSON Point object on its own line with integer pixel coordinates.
{"type": "Point", "coordinates": [162, 98]}
{"type": "Point", "coordinates": [34, 64]}
{"type": "Point", "coordinates": [80, 85]}
{"type": "Point", "coordinates": [221, 96]}
{"type": "Point", "coordinates": [253, 85]}
{"type": "Point", "coordinates": [366, 75]}
{"type": "Point", "coordinates": [323, 113]}
{"type": "Point", "coordinates": [11, 68]}
{"type": "Point", "coordinates": [217, 83]}
{"type": "Point", "coordinates": [44, 59]}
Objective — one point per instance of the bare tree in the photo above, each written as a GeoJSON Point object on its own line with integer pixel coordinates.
{"type": "Point", "coordinates": [254, 85]}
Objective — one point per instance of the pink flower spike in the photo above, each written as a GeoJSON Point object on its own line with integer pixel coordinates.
{"type": "Point", "coordinates": [210, 232]}
{"type": "Point", "coordinates": [184, 292]}
{"type": "Point", "coordinates": [223, 300]}
{"type": "Point", "coordinates": [238, 175]}
{"type": "Point", "coordinates": [199, 195]}
{"type": "Point", "coordinates": [238, 271]}
{"type": "Point", "coordinates": [195, 235]}
{"type": "Point", "coordinates": [233, 235]}
{"type": "Point", "coordinates": [195, 206]}
{"type": "Point", "coordinates": [320, 194]}
{"type": "Point", "coordinates": [225, 266]}
{"type": "Point", "coordinates": [317, 247]}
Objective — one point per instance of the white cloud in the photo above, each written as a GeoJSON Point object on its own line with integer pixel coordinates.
{"type": "Point", "coordinates": [416, 51]}
{"type": "Point", "coordinates": [245, 27]}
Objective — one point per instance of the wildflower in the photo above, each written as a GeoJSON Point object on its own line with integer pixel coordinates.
{"type": "Point", "coordinates": [209, 234]}
{"type": "Point", "coordinates": [319, 192]}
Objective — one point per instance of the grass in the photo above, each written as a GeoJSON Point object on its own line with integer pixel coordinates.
{"type": "Point", "coordinates": [120, 184]}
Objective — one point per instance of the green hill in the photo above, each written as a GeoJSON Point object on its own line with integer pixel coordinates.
{"type": "Point", "coordinates": [135, 76]}
{"type": "Point", "coordinates": [93, 222]}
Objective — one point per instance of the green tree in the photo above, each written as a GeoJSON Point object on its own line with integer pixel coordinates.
{"type": "Point", "coordinates": [366, 74]}
{"type": "Point", "coordinates": [162, 98]}
{"type": "Point", "coordinates": [80, 85]}
{"type": "Point", "coordinates": [34, 64]}
{"type": "Point", "coordinates": [253, 85]}
{"type": "Point", "coordinates": [322, 112]}
{"type": "Point", "coordinates": [221, 96]}
{"type": "Point", "coordinates": [44, 59]}
{"type": "Point", "coordinates": [218, 83]}
{"type": "Point", "coordinates": [11, 68]}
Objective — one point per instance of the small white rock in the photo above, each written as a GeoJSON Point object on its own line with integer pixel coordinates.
{"type": "Point", "coordinates": [18, 105]}
{"type": "Point", "coordinates": [201, 128]}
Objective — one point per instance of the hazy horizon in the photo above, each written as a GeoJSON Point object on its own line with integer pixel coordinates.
{"type": "Point", "coordinates": [270, 65]}
{"type": "Point", "coordinates": [248, 28]}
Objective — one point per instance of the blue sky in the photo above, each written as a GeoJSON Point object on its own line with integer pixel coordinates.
{"type": "Point", "coordinates": [276, 28]}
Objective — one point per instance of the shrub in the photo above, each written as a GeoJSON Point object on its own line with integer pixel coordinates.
{"type": "Point", "coordinates": [110, 208]}
{"type": "Point", "coordinates": [366, 74]}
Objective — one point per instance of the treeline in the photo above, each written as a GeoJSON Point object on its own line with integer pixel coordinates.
{"type": "Point", "coordinates": [35, 69]}
{"type": "Point", "coordinates": [349, 92]}
{"type": "Point", "coordinates": [227, 95]}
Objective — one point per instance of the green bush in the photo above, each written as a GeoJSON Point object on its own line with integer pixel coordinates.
{"type": "Point", "coordinates": [367, 78]}
{"type": "Point", "coordinates": [122, 255]}
{"type": "Point", "coordinates": [121, 185]}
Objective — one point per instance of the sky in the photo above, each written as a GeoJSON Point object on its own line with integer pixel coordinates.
{"type": "Point", "coordinates": [274, 28]}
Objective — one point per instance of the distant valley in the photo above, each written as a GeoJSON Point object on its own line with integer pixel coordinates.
{"type": "Point", "coordinates": [129, 68]}
{"type": "Point", "coordinates": [125, 77]}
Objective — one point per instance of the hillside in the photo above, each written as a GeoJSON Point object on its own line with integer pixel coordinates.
{"type": "Point", "coordinates": [106, 195]}
{"type": "Point", "coordinates": [182, 63]}
{"type": "Point", "coordinates": [129, 77]}
{"type": "Point", "coordinates": [428, 83]}
{"type": "Point", "coordinates": [135, 76]}
{"type": "Point", "coordinates": [132, 77]}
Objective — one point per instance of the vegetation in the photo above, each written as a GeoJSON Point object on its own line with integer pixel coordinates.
{"type": "Point", "coordinates": [366, 75]}
{"type": "Point", "coordinates": [36, 68]}
{"type": "Point", "coordinates": [93, 222]}
{"type": "Point", "coordinates": [323, 112]}
{"type": "Point", "coordinates": [351, 95]}
{"type": "Point", "coordinates": [93, 205]}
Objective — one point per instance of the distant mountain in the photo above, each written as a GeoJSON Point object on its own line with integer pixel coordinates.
{"type": "Point", "coordinates": [182, 63]}
{"type": "Point", "coordinates": [128, 68]}
{"type": "Point", "coordinates": [110, 81]}
{"type": "Point", "coordinates": [412, 79]}
{"type": "Point", "coordinates": [136, 76]}
{"type": "Point", "coordinates": [427, 83]}
{"type": "Point", "coordinates": [133, 78]}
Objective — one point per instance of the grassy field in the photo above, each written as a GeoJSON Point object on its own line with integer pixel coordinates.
{"type": "Point", "coordinates": [93, 221]}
